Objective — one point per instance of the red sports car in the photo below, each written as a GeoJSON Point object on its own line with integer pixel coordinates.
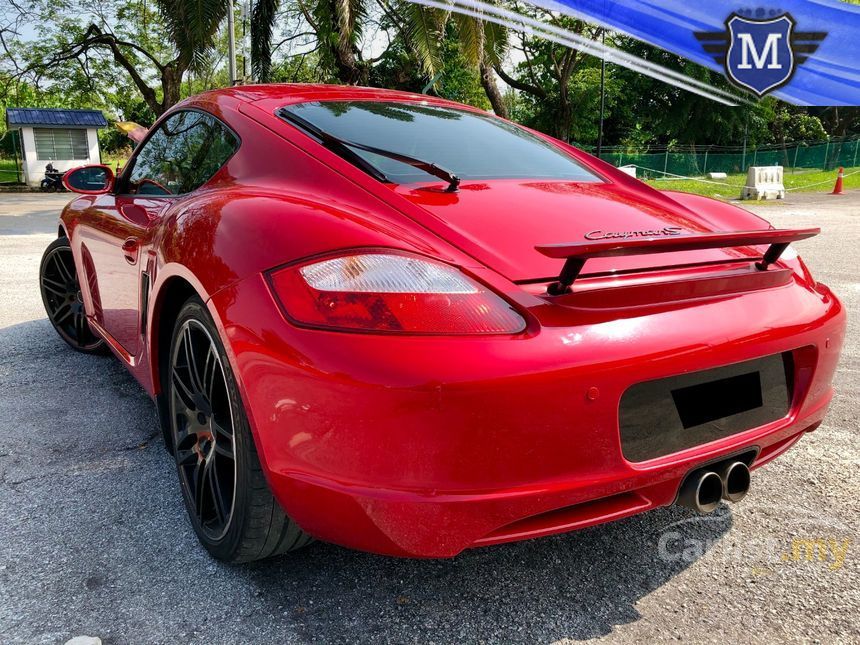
{"type": "Point", "coordinates": [402, 325]}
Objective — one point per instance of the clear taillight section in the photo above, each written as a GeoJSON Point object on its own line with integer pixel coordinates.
{"type": "Point", "coordinates": [391, 292]}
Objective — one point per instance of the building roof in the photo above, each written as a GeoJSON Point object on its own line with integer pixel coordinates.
{"type": "Point", "coordinates": [56, 117]}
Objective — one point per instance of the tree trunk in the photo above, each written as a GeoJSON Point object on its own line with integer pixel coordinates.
{"type": "Point", "coordinates": [171, 86]}
{"type": "Point", "coordinates": [348, 71]}
{"type": "Point", "coordinates": [566, 114]}
{"type": "Point", "coordinates": [488, 81]}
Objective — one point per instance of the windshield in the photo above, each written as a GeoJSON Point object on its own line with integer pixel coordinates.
{"type": "Point", "coordinates": [470, 145]}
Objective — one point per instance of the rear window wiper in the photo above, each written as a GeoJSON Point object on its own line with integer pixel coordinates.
{"type": "Point", "coordinates": [344, 147]}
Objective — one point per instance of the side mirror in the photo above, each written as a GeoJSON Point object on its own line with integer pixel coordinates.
{"type": "Point", "coordinates": [89, 180]}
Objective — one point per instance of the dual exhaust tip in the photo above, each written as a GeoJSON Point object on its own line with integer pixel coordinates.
{"type": "Point", "coordinates": [703, 490]}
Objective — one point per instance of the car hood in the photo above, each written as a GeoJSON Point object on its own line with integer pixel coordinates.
{"type": "Point", "coordinates": [503, 220]}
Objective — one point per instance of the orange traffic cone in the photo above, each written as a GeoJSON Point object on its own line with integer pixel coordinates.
{"type": "Point", "coordinates": [837, 189]}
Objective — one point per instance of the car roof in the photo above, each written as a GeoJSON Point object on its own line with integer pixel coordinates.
{"type": "Point", "coordinates": [274, 95]}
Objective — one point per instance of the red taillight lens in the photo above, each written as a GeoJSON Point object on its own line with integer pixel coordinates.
{"type": "Point", "coordinates": [390, 292]}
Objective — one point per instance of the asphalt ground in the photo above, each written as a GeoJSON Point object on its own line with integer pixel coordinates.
{"type": "Point", "coordinates": [94, 539]}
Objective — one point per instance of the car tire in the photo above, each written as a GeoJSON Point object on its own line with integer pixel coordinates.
{"type": "Point", "coordinates": [214, 449]}
{"type": "Point", "coordinates": [61, 296]}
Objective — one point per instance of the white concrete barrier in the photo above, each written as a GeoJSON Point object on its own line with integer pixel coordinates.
{"type": "Point", "coordinates": [764, 182]}
{"type": "Point", "coordinates": [628, 170]}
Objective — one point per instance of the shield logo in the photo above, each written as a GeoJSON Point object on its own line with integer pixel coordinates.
{"type": "Point", "coordinates": [760, 57]}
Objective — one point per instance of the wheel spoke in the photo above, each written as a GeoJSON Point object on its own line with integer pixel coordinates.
{"type": "Point", "coordinates": [81, 328]}
{"type": "Point", "coordinates": [199, 481]}
{"type": "Point", "coordinates": [183, 391]}
{"type": "Point", "coordinates": [210, 373]}
{"type": "Point", "coordinates": [191, 361]}
{"type": "Point", "coordinates": [185, 457]}
{"type": "Point", "coordinates": [221, 431]}
{"type": "Point", "coordinates": [57, 288]}
{"type": "Point", "coordinates": [215, 492]}
{"type": "Point", "coordinates": [224, 449]}
{"type": "Point", "coordinates": [182, 434]}
{"type": "Point", "coordinates": [62, 313]}
{"type": "Point", "coordinates": [63, 270]}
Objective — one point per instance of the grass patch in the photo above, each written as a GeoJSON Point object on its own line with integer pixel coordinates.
{"type": "Point", "coordinates": [114, 162]}
{"type": "Point", "coordinates": [801, 181]}
{"type": "Point", "coordinates": [7, 170]}
{"type": "Point", "coordinates": [7, 167]}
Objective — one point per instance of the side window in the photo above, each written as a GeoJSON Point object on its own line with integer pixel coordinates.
{"type": "Point", "coordinates": [185, 151]}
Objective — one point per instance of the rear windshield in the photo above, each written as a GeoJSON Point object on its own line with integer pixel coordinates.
{"type": "Point", "coordinates": [470, 145]}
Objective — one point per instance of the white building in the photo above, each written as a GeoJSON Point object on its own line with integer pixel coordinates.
{"type": "Point", "coordinates": [64, 138]}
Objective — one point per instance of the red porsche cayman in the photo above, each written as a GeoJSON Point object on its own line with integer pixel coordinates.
{"type": "Point", "coordinates": [402, 325]}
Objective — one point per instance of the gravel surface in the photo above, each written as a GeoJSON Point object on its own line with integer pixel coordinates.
{"type": "Point", "coordinates": [94, 540]}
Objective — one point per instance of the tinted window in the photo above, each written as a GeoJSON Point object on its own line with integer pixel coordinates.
{"type": "Point", "coordinates": [185, 151]}
{"type": "Point", "coordinates": [470, 145]}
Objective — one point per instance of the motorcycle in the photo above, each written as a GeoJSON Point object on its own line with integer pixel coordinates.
{"type": "Point", "coordinates": [53, 180]}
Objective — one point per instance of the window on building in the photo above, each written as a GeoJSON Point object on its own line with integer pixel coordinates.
{"type": "Point", "coordinates": [52, 143]}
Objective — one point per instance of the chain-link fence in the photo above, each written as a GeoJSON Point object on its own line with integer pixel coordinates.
{"type": "Point", "coordinates": [699, 160]}
{"type": "Point", "coordinates": [690, 161]}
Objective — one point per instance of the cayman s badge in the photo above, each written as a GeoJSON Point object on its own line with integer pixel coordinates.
{"type": "Point", "coordinates": [760, 55]}
{"type": "Point", "coordinates": [625, 235]}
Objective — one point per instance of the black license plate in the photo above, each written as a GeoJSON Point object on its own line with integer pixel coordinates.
{"type": "Point", "coordinates": [660, 417]}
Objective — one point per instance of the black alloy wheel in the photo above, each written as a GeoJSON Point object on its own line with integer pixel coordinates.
{"type": "Point", "coordinates": [203, 427]}
{"type": "Point", "coordinates": [61, 295]}
{"type": "Point", "coordinates": [231, 508]}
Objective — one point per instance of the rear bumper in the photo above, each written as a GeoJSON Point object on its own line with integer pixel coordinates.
{"type": "Point", "coordinates": [430, 524]}
{"type": "Point", "coordinates": [428, 446]}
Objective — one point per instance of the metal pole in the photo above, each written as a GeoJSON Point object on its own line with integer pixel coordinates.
{"type": "Point", "coordinates": [826, 153]}
{"type": "Point", "coordinates": [796, 150]}
{"type": "Point", "coordinates": [856, 141]}
{"type": "Point", "coordinates": [744, 157]}
{"type": "Point", "coordinates": [602, 93]}
{"type": "Point", "coordinates": [231, 43]}
{"type": "Point", "coordinates": [249, 8]}
{"type": "Point", "coordinates": [18, 173]}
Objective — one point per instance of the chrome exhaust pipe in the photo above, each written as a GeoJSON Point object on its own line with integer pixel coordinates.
{"type": "Point", "coordinates": [701, 491]}
{"type": "Point", "coordinates": [736, 480]}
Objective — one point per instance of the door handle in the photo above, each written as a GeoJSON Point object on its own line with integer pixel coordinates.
{"type": "Point", "coordinates": [130, 250]}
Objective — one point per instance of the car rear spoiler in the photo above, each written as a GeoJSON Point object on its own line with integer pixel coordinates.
{"type": "Point", "coordinates": [576, 253]}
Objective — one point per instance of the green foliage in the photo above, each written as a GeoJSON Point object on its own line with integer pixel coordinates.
{"type": "Point", "coordinates": [792, 124]}
{"type": "Point", "coordinates": [176, 49]}
{"type": "Point", "coordinates": [458, 79]}
{"type": "Point", "coordinates": [650, 112]}
{"type": "Point", "coordinates": [191, 26]}
{"type": "Point", "coordinates": [305, 68]}
{"type": "Point", "coordinates": [396, 69]}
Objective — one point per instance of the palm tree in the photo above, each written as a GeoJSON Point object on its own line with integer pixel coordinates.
{"type": "Point", "coordinates": [338, 27]}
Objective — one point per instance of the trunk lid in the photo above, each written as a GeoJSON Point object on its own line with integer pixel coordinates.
{"type": "Point", "coordinates": [505, 219]}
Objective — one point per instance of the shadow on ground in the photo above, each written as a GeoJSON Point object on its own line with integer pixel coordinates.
{"type": "Point", "coordinates": [99, 543]}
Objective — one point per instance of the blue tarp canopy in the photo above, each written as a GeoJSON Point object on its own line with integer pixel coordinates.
{"type": "Point", "coordinates": [54, 117]}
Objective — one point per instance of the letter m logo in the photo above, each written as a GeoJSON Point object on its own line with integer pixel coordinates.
{"type": "Point", "coordinates": [760, 56]}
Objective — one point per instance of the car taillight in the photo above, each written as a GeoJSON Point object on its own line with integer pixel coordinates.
{"type": "Point", "coordinates": [391, 292]}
